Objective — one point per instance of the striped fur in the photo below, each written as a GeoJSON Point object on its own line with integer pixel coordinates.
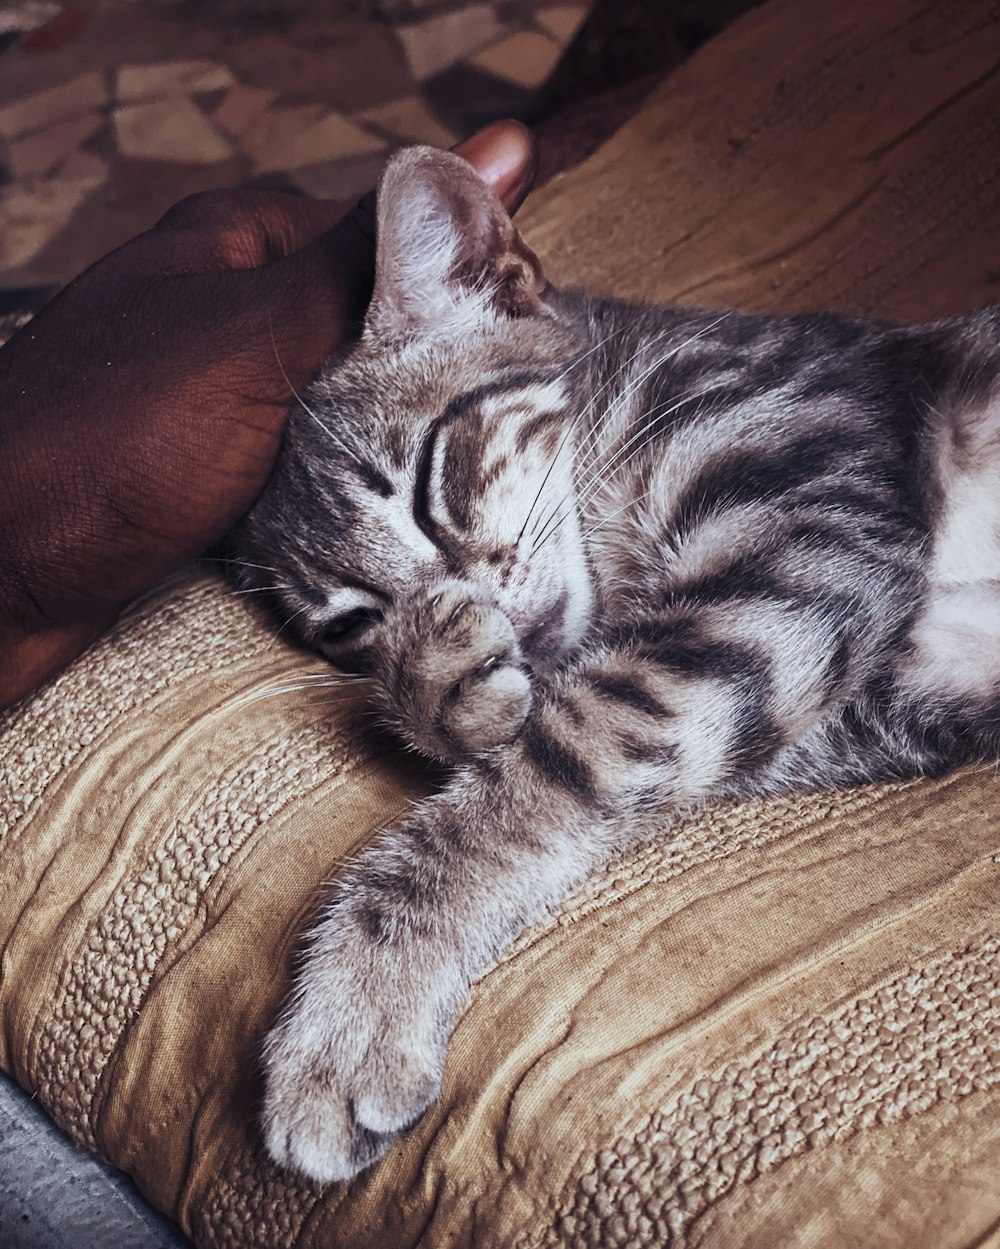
{"type": "Point", "coordinates": [607, 561]}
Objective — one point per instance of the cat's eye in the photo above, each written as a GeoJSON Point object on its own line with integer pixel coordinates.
{"type": "Point", "coordinates": [348, 625]}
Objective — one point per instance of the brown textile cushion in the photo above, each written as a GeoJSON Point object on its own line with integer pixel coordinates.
{"type": "Point", "coordinates": [777, 1026]}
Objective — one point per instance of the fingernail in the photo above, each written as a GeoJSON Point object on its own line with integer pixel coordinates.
{"type": "Point", "coordinates": [504, 155]}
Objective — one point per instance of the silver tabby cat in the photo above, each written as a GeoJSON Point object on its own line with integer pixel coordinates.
{"type": "Point", "coordinates": [607, 561]}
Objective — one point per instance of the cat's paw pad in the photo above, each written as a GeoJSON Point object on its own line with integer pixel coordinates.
{"type": "Point", "coordinates": [464, 687]}
{"type": "Point", "coordinates": [328, 1119]}
{"type": "Point", "coordinates": [487, 708]}
{"type": "Point", "coordinates": [309, 1129]}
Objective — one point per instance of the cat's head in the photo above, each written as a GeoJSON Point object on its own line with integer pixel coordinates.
{"type": "Point", "coordinates": [439, 445]}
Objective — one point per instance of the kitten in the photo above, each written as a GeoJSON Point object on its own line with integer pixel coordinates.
{"type": "Point", "coordinates": [608, 561]}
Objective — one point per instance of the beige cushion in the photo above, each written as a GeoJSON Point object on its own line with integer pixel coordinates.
{"type": "Point", "coordinates": [779, 1025]}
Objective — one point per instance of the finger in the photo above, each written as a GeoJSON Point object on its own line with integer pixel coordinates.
{"type": "Point", "coordinates": [504, 155]}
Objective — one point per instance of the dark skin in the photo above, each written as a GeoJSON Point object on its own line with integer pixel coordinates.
{"type": "Point", "coordinates": [142, 409]}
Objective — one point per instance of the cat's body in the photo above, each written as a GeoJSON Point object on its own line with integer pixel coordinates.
{"type": "Point", "coordinates": [609, 561]}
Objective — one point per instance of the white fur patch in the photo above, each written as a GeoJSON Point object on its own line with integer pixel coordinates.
{"type": "Point", "coordinates": [957, 642]}
{"type": "Point", "coordinates": [967, 542]}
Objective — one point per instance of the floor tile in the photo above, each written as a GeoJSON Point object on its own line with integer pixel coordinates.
{"type": "Point", "coordinates": [134, 196]}
{"type": "Point", "coordinates": [241, 107]}
{"type": "Point", "coordinates": [54, 1193]}
{"type": "Point", "coordinates": [32, 213]}
{"type": "Point", "coordinates": [465, 97]}
{"type": "Point", "coordinates": [111, 110]}
{"type": "Point", "coordinates": [62, 28]}
{"type": "Point", "coordinates": [117, 34]}
{"type": "Point", "coordinates": [27, 15]}
{"type": "Point", "coordinates": [361, 63]}
{"type": "Point", "coordinates": [340, 179]}
{"type": "Point", "coordinates": [171, 130]}
{"type": "Point", "coordinates": [288, 138]}
{"type": "Point", "coordinates": [562, 21]}
{"type": "Point", "coordinates": [169, 78]}
{"type": "Point", "coordinates": [38, 154]}
{"type": "Point", "coordinates": [411, 120]}
{"type": "Point", "coordinates": [526, 58]}
{"type": "Point", "coordinates": [350, 73]}
{"type": "Point", "coordinates": [35, 112]}
{"type": "Point", "coordinates": [438, 42]}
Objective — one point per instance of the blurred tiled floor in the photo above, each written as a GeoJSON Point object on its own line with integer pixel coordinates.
{"type": "Point", "coordinates": [111, 111]}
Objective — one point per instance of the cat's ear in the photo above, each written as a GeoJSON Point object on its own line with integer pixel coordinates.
{"type": "Point", "coordinates": [445, 243]}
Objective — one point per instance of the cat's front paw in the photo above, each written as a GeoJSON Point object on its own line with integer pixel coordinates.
{"type": "Point", "coordinates": [345, 1076]}
{"type": "Point", "coordinates": [458, 685]}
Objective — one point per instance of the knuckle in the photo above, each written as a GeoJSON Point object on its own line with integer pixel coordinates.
{"type": "Point", "coordinates": [226, 221]}
{"type": "Point", "coordinates": [192, 210]}
{"type": "Point", "coordinates": [207, 208]}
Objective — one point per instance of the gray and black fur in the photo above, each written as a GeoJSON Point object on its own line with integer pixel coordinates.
{"type": "Point", "coordinates": [608, 561]}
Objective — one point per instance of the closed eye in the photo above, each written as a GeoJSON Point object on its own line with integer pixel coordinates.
{"type": "Point", "coordinates": [428, 490]}
{"type": "Point", "coordinates": [422, 487]}
{"type": "Point", "coordinates": [348, 625]}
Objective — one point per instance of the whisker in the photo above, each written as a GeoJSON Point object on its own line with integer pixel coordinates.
{"type": "Point", "coordinates": [621, 399]}
{"type": "Point", "coordinates": [263, 589]}
{"type": "Point", "coordinates": [301, 402]}
{"type": "Point", "coordinates": [569, 429]}
{"type": "Point", "coordinates": [329, 677]}
{"type": "Point", "coordinates": [593, 451]}
{"type": "Point", "coordinates": [588, 445]}
{"type": "Point", "coordinates": [629, 390]}
{"type": "Point", "coordinates": [288, 380]}
{"type": "Point", "coordinates": [617, 512]}
{"type": "Point", "coordinates": [602, 476]}
{"type": "Point", "coordinates": [283, 627]}
{"type": "Point", "coordinates": [325, 674]}
{"type": "Point", "coordinates": [545, 479]}
{"type": "Point", "coordinates": [244, 563]}
{"type": "Point", "coordinates": [554, 520]}
{"type": "Point", "coordinates": [272, 692]}
{"type": "Point", "coordinates": [275, 694]}
{"type": "Point", "coordinates": [544, 517]}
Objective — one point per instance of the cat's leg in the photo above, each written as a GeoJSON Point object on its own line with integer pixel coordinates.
{"type": "Point", "coordinates": [946, 681]}
{"type": "Point", "coordinates": [950, 671]}
{"type": "Point", "coordinates": [667, 714]}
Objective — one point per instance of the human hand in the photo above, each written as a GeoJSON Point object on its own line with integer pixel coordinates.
{"type": "Point", "coordinates": [142, 409]}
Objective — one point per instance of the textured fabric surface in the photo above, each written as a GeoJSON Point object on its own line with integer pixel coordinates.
{"type": "Point", "coordinates": [54, 1195]}
{"type": "Point", "coordinates": [779, 1017]}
